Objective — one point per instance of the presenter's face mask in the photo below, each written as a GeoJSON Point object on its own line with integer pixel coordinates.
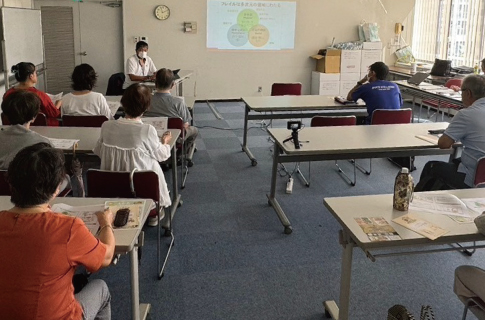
{"type": "Point", "coordinates": [142, 53]}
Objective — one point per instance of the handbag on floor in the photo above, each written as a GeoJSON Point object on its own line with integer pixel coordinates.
{"type": "Point", "coordinates": [399, 312]}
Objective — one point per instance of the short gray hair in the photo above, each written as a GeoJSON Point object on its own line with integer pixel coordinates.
{"type": "Point", "coordinates": [476, 84]}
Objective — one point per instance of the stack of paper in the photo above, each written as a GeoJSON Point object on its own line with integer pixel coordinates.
{"type": "Point", "coordinates": [63, 144]}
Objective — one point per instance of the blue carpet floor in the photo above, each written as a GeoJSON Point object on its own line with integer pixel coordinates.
{"type": "Point", "coordinates": [231, 259]}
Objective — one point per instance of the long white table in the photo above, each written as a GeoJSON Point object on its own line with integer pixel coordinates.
{"type": "Point", "coordinates": [443, 96]}
{"type": "Point", "coordinates": [184, 75]}
{"type": "Point", "coordinates": [281, 107]}
{"type": "Point", "coordinates": [346, 209]}
{"type": "Point", "coordinates": [126, 243]}
{"type": "Point", "coordinates": [114, 103]}
{"type": "Point", "coordinates": [88, 138]}
{"type": "Point", "coordinates": [349, 142]}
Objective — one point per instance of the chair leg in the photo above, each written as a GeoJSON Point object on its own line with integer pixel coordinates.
{"type": "Point", "coordinates": [172, 240]}
{"type": "Point", "coordinates": [345, 176]}
{"type": "Point", "coordinates": [467, 252]}
{"type": "Point", "coordinates": [301, 175]}
{"type": "Point", "coordinates": [362, 169]}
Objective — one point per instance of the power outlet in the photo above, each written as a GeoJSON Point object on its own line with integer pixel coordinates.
{"type": "Point", "coordinates": [289, 186]}
{"type": "Point", "coordinates": [260, 89]}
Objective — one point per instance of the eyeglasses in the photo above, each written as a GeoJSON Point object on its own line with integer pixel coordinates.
{"type": "Point", "coordinates": [463, 90]}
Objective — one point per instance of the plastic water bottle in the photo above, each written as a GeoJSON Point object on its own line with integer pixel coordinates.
{"type": "Point", "coordinates": [403, 190]}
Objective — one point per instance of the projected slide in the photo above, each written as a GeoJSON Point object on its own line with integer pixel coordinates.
{"type": "Point", "coordinates": [250, 25]}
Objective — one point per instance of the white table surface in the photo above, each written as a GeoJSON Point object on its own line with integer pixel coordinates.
{"type": "Point", "coordinates": [88, 137]}
{"type": "Point", "coordinates": [125, 238]}
{"type": "Point", "coordinates": [345, 209]}
{"type": "Point", "coordinates": [352, 139]}
{"type": "Point", "coordinates": [296, 103]}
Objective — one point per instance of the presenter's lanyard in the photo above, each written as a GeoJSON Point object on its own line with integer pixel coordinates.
{"type": "Point", "coordinates": [143, 68]}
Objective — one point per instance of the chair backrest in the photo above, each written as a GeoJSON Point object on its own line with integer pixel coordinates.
{"type": "Point", "coordinates": [83, 121]}
{"type": "Point", "coordinates": [4, 186]}
{"type": "Point", "coordinates": [115, 84]}
{"type": "Point", "coordinates": [480, 172]}
{"type": "Point", "coordinates": [286, 89]}
{"type": "Point", "coordinates": [111, 184]}
{"type": "Point", "coordinates": [320, 121]}
{"type": "Point", "coordinates": [177, 123]}
{"type": "Point", "coordinates": [40, 120]}
{"type": "Point", "coordinates": [453, 82]}
{"type": "Point", "coordinates": [392, 116]}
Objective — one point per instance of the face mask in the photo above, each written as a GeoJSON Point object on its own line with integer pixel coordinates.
{"type": "Point", "coordinates": [143, 55]}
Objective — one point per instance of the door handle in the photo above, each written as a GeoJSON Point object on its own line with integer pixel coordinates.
{"type": "Point", "coordinates": [84, 53]}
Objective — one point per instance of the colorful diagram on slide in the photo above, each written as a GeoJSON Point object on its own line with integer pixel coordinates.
{"type": "Point", "coordinates": [247, 29]}
{"type": "Point", "coordinates": [251, 25]}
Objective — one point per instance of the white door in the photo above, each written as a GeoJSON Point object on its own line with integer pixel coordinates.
{"type": "Point", "coordinates": [98, 37]}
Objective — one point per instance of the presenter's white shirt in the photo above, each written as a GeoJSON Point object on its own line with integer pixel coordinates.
{"type": "Point", "coordinates": [90, 104]}
{"type": "Point", "coordinates": [134, 67]}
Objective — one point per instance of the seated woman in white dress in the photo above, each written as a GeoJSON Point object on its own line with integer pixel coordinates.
{"type": "Point", "coordinates": [83, 101]}
{"type": "Point", "coordinates": [127, 143]}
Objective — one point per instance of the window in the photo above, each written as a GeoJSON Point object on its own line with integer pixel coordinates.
{"type": "Point", "coordinates": [449, 29]}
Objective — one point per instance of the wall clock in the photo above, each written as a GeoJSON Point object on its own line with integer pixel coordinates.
{"type": "Point", "coordinates": [162, 12]}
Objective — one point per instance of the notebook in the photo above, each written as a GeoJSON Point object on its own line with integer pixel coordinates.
{"type": "Point", "coordinates": [418, 78]}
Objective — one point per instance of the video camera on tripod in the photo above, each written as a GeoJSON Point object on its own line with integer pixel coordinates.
{"type": "Point", "coordinates": [294, 126]}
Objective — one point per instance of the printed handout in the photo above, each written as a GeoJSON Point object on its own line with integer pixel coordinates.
{"type": "Point", "coordinates": [85, 213]}
{"type": "Point", "coordinates": [135, 207]}
{"type": "Point", "coordinates": [420, 226]}
{"type": "Point", "coordinates": [377, 229]}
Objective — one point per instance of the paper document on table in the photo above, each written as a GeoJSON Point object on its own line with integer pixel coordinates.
{"type": "Point", "coordinates": [160, 123]}
{"type": "Point", "coordinates": [420, 226]}
{"type": "Point", "coordinates": [431, 138]}
{"type": "Point", "coordinates": [63, 144]}
{"type": "Point", "coordinates": [477, 205]}
{"type": "Point", "coordinates": [85, 213]}
{"type": "Point", "coordinates": [113, 106]}
{"type": "Point", "coordinates": [440, 203]}
{"type": "Point", "coordinates": [377, 229]}
{"type": "Point", "coordinates": [135, 207]}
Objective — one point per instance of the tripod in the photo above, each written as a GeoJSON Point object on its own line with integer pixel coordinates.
{"type": "Point", "coordinates": [294, 137]}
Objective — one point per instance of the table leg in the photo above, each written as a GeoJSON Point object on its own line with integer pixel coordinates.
{"type": "Point", "coordinates": [272, 196]}
{"type": "Point", "coordinates": [245, 138]}
{"type": "Point", "coordinates": [176, 198]}
{"type": "Point", "coordinates": [331, 307]}
{"type": "Point", "coordinates": [135, 290]}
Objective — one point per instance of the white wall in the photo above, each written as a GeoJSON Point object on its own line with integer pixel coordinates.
{"type": "Point", "coordinates": [235, 74]}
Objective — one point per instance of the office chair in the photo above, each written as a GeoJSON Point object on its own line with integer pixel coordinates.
{"type": "Point", "coordinates": [40, 120]}
{"type": "Point", "coordinates": [476, 306]}
{"type": "Point", "coordinates": [178, 123]}
{"type": "Point", "coordinates": [435, 104]}
{"type": "Point", "coordinates": [83, 121]}
{"type": "Point", "coordinates": [5, 187]}
{"type": "Point", "coordinates": [134, 184]}
{"type": "Point", "coordinates": [388, 116]}
{"type": "Point", "coordinates": [115, 84]}
{"type": "Point", "coordinates": [286, 89]}
{"type": "Point", "coordinates": [478, 182]}
{"type": "Point", "coordinates": [320, 121]}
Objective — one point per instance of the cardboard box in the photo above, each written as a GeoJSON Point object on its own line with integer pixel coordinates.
{"type": "Point", "coordinates": [330, 63]}
{"type": "Point", "coordinates": [347, 82]}
{"type": "Point", "coordinates": [372, 45]}
{"type": "Point", "coordinates": [368, 58]}
{"type": "Point", "coordinates": [350, 61]}
{"type": "Point", "coordinates": [327, 84]}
